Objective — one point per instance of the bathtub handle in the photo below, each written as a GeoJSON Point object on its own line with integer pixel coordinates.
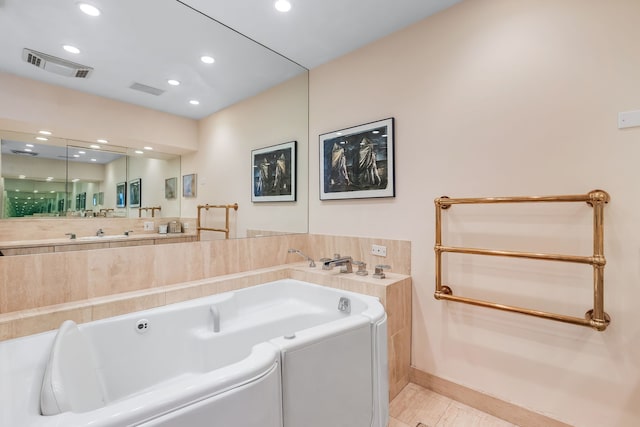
{"type": "Point", "coordinates": [215, 313]}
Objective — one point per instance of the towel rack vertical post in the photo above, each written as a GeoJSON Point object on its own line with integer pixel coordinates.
{"type": "Point", "coordinates": [600, 319]}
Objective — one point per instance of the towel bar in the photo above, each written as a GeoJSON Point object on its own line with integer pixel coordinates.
{"type": "Point", "coordinates": [222, 230]}
{"type": "Point", "coordinates": [595, 318]}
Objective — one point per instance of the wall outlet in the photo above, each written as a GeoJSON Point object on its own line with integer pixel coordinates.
{"type": "Point", "coordinates": [378, 250]}
{"type": "Point", "coordinates": [148, 226]}
{"type": "Point", "coordinates": [185, 225]}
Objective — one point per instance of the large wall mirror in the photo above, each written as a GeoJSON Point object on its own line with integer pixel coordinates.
{"type": "Point", "coordinates": [249, 98]}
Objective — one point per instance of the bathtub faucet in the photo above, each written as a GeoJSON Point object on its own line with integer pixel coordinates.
{"type": "Point", "coordinates": [345, 262]}
{"type": "Point", "coordinates": [307, 257]}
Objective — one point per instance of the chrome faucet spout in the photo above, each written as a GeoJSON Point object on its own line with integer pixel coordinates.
{"type": "Point", "coordinates": [344, 262]}
{"type": "Point", "coordinates": [307, 257]}
{"type": "Point", "coordinates": [100, 233]}
{"type": "Point", "coordinates": [72, 236]}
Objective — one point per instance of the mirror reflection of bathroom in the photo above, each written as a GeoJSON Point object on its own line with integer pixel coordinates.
{"type": "Point", "coordinates": [46, 177]}
{"type": "Point", "coordinates": [155, 91]}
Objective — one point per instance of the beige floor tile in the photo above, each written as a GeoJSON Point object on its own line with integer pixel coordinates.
{"type": "Point", "coordinates": [416, 404]}
{"type": "Point", "coordinates": [459, 415]}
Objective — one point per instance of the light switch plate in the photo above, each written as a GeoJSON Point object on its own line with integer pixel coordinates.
{"type": "Point", "coordinates": [628, 119]}
{"type": "Point", "coordinates": [148, 226]}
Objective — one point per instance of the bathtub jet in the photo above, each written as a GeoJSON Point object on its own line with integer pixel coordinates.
{"type": "Point", "coordinates": [282, 353]}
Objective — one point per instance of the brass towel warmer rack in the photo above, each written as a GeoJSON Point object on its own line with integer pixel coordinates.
{"type": "Point", "coordinates": [153, 210]}
{"type": "Point", "coordinates": [222, 230]}
{"type": "Point", "coordinates": [595, 318]}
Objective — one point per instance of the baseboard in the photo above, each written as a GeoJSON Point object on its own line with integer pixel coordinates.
{"type": "Point", "coordinates": [499, 408]}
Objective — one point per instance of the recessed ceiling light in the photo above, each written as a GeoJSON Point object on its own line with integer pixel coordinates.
{"type": "Point", "coordinates": [95, 146]}
{"type": "Point", "coordinates": [207, 59]}
{"type": "Point", "coordinates": [44, 132]}
{"type": "Point", "coordinates": [338, 133]}
{"type": "Point", "coordinates": [49, 178]}
{"type": "Point", "coordinates": [29, 145]}
{"type": "Point", "coordinates": [35, 191]}
{"type": "Point", "coordinates": [21, 177]}
{"type": "Point", "coordinates": [71, 49]}
{"type": "Point", "coordinates": [75, 180]}
{"type": "Point", "coordinates": [283, 6]}
{"type": "Point", "coordinates": [148, 148]}
{"type": "Point", "coordinates": [94, 160]}
{"type": "Point", "coordinates": [28, 150]}
{"type": "Point", "coordinates": [41, 138]}
{"type": "Point", "coordinates": [81, 152]}
{"type": "Point", "coordinates": [102, 141]}
{"type": "Point", "coordinates": [139, 152]}
{"type": "Point", "coordinates": [194, 102]}
{"type": "Point", "coordinates": [52, 191]}
{"type": "Point", "coordinates": [376, 131]}
{"type": "Point", "coordinates": [173, 82]}
{"type": "Point", "coordinates": [89, 9]}
{"type": "Point", "coordinates": [76, 155]}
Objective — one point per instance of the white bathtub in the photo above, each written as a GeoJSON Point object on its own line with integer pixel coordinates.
{"type": "Point", "coordinates": [277, 354]}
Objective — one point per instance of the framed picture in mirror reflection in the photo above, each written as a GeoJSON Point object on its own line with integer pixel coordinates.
{"type": "Point", "coordinates": [189, 185]}
{"type": "Point", "coordinates": [274, 173]}
{"type": "Point", "coordinates": [135, 193]}
{"type": "Point", "coordinates": [170, 185]}
{"type": "Point", "coordinates": [121, 195]}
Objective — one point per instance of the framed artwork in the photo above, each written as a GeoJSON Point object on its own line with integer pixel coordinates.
{"type": "Point", "coordinates": [189, 183]}
{"type": "Point", "coordinates": [135, 193]}
{"type": "Point", "coordinates": [274, 173]}
{"type": "Point", "coordinates": [170, 185]}
{"type": "Point", "coordinates": [358, 162]}
{"type": "Point", "coordinates": [121, 195]}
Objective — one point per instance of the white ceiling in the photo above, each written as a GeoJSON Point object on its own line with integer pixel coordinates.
{"type": "Point", "coordinates": [151, 41]}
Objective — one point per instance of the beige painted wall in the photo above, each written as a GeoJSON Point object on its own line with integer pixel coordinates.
{"type": "Point", "coordinates": [75, 115]}
{"type": "Point", "coordinates": [223, 160]}
{"type": "Point", "coordinates": [499, 98]}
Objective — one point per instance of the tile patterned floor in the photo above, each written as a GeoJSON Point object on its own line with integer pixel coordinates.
{"type": "Point", "coordinates": [416, 406]}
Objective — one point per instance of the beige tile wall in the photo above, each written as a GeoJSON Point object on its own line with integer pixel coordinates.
{"type": "Point", "coordinates": [40, 280]}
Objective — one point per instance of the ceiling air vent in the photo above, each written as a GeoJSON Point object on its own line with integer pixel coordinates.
{"type": "Point", "coordinates": [24, 153]}
{"type": "Point", "coordinates": [56, 65]}
{"type": "Point", "coordinates": [147, 89]}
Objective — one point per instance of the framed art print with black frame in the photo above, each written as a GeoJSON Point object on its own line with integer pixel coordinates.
{"type": "Point", "coordinates": [358, 162]}
{"type": "Point", "coordinates": [274, 173]}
